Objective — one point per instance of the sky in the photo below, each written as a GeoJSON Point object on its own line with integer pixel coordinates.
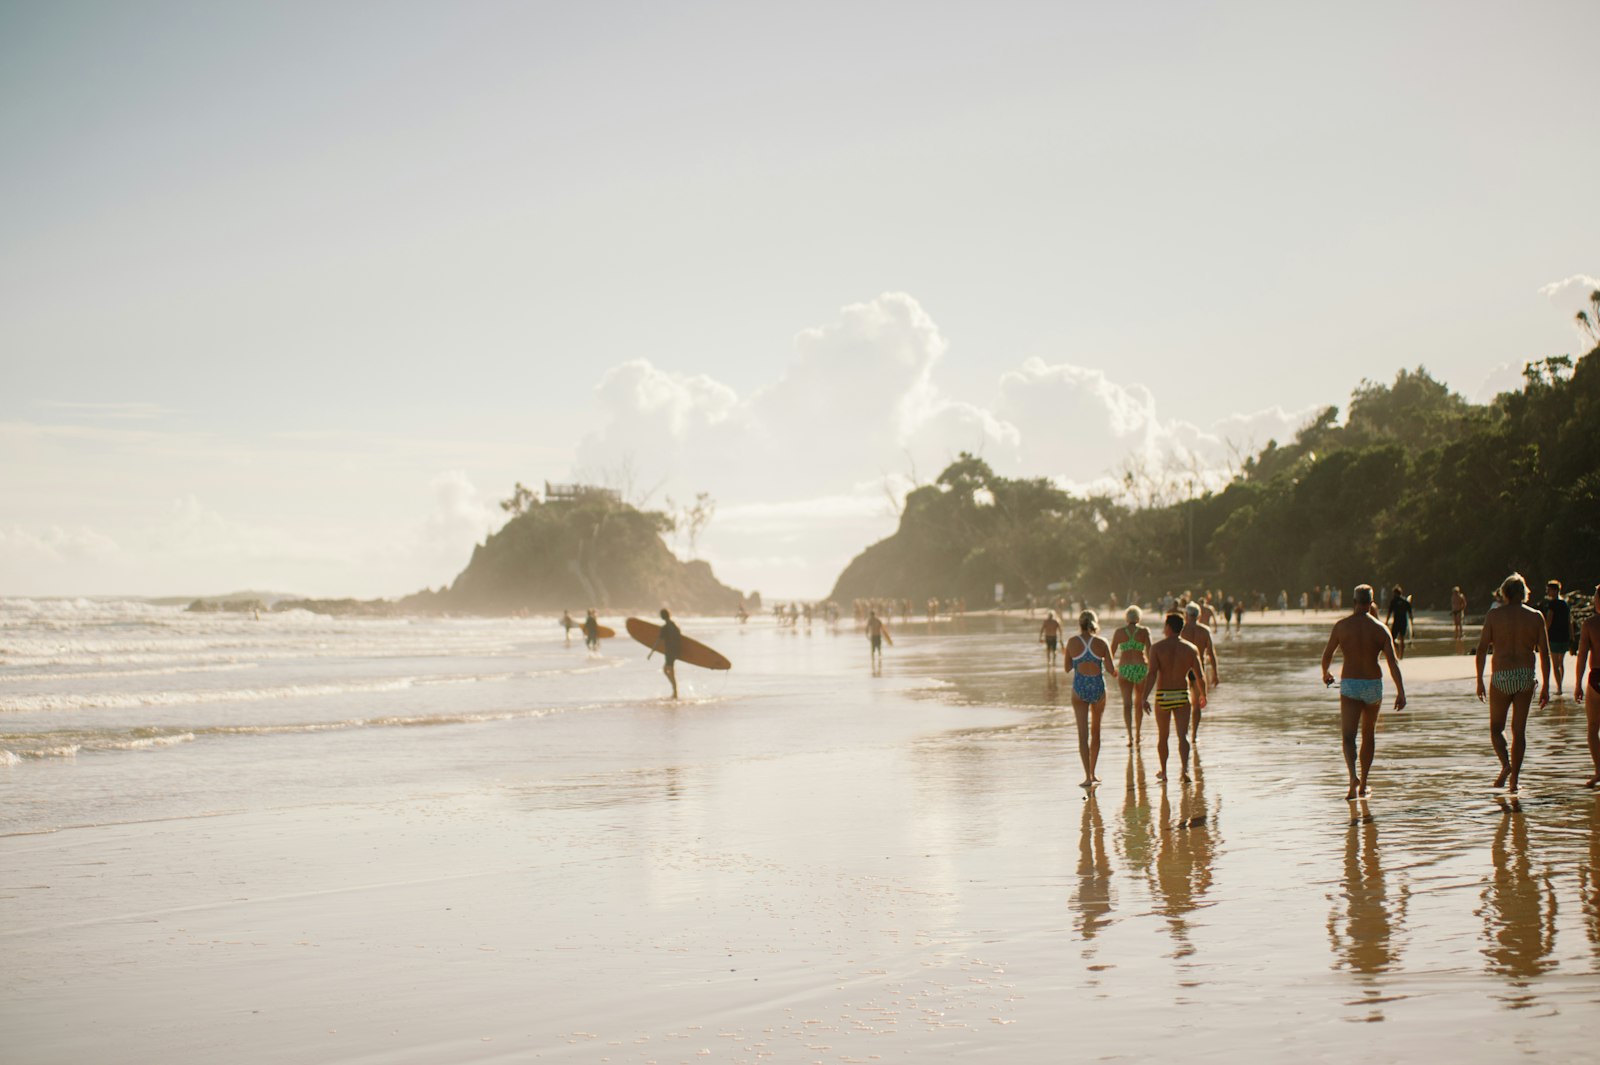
{"type": "Point", "coordinates": [291, 294]}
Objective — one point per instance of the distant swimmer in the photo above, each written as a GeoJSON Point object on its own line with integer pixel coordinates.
{"type": "Point", "coordinates": [1199, 634]}
{"type": "Point", "coordinates": [1133, 664]}
{"type": "Point", "coordinates": [877, 632]}
{"type": "Point", "coordinates": [670, 644]}
{"type": "Point", "coordinates": [591, 631]}
{"type": "Point", "coordinates": [1089, 654]}
{"type": "Point", "coordinates": [1587, 685]}
{"type": "Point", "coordinates": [1514, 633]}
{"type": "Point", "coordinates": [1050, 636]}
{"type": "Point", "coordinates": [1458, 612]}
{"type": "Point", "coordinates": [1558, 626]}
{"type": "Point", "coordinates": [1360, 638]}
{"type": "Point", "coordinates": [1172, 660]}
{"type": "Point", "coordinates": [567, 624]}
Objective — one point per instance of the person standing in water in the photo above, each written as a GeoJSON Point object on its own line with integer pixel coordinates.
{"type": "Point", "coordinates": [876, 631]}
{"type": "Point", "coordinates": [591, 631]}
{"type": "Point", "coordinates": [1089, 654]}
{"type": "Point", "coordinates": [1399, 620]}
{"type": "Point", "coordinates": [567, 624]}
{"type": "Point", "coordinates": [1172, 660]}
{"type": "Point", "coordinates": [1558, 627]}
{"type": "Point", "coordinates": [1361, 638]}
{"type": "Point", "coordinates": [1458, 612]}
{"type": "Point", "coordinates": [1050, 635]}
{"type": "Point", "coordinates": [1198, 633]}
{"type": "Point", "coordinates": [1514, 633]}
{"type": "Point", "coordinates": [1586, 686]}
{"type": "Point", "coordinates": [670, 644]}
{"type": "Point", "coordinates": [1132, 644]}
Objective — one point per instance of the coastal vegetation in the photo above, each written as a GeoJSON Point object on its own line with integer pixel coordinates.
{"type": "Point", "coordinates": [1414, 486]}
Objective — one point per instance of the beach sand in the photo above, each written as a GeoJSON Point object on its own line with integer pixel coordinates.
{"type": "Point", "coordinates": [809, 862]}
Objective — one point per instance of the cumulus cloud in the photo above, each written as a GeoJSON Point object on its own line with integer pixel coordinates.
{"type": "Point", "coordinates": [1571, 295]}
{"type": "Point", "coordinates": [858, 395]}
{"type": "Point", "coordinates": [811, 465]}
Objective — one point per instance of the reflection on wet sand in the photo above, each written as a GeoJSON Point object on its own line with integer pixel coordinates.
{"type": "Point", "coordinates": [1135, 839]}
{"type": "Point", "coordinates": [1091, 900]}
{"type": "Point", "coordinates": [1589, 879]}
{"type": "Point", "coordinates": [1519, 908]}
{"type": "Point", "coordinates": [1364, 922]}
{"type": "Point", "coordinates": [1183, 872]}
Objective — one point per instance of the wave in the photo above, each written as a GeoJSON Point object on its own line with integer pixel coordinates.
{"type": "Point", "coordinates": [68, 744]}
{"type": "Point", "coordinates": [97, 674]}
{"type": "Point", "coordinates": [124, 700]}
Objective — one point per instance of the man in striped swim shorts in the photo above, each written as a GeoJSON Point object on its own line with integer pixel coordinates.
{"type": "Point", "coordinates": [1513, 634]}
{"type": "Point", "coordinates": [1361, 638]}
{"type": "Point", "coordinates": [1172, 659]}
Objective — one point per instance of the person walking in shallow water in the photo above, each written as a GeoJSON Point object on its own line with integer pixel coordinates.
{"type": "Point", "coordinates": [1399, 620]}
{"type": "Point", "coordinates": [670, 644]}
{"type": "Point", "coordinates": [1172, 660]}
{"type": "Point", "coordinates": [1558, 627]}
{"type": "Point", "coordinates": [1088, 654]}
{"type": "Point", "coordinates": [1360, 638]}
{"type": "Point", "coordinates": [877, 632]}
{"type": "Point", "coordinates": [1133, 643]}
{"type": "Point", "coordinates": [1050, 636]}
{"type": "Point", "coordinates": [1586, 685]}
{"type": "Point", "coordinates": [1514, 633]}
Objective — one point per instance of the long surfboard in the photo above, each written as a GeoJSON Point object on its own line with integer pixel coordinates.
{"type": "Point", "coordinates": [603, 632]}
{"type": "Point", "coordinates": [693, 651]}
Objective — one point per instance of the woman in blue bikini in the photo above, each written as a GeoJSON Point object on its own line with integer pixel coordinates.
{"type": "Point", "coordinates": [1088, 655]}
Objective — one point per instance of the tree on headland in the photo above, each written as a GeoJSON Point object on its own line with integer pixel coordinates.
{"type": "Point", "coordinates": [518, 502]}
{"type": "Point", "coordinates": [691, 519]}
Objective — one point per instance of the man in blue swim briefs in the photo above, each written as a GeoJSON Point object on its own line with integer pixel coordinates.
{"type": "Point", "coordinates": [1513, 633]}
{"type": "Point", "coordinates": [1360, 638]}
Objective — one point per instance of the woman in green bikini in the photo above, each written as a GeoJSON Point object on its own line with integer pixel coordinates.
{"type": "Point", "coordinates": [1132, 641]}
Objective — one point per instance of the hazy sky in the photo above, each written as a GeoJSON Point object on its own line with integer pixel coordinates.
{"type": "Point", "coordinates": [291, 293]}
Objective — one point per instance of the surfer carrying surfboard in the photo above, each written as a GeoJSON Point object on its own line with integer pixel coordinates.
{"type": "Point", "coordinates": [877, 632]}
{"type": "Point", "coordinates": [670, 644]}
{"type": "Point", "coordinates": [591, 631]}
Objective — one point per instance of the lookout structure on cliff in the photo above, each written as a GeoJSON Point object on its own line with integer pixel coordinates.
{"type": "Point", "coordinates": [572, 493]}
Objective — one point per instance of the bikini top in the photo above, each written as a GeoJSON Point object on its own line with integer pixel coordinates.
{"type": "Point", "coordinates": [1088, 652]}
{"type": "Point", "coordinates": [1130, 644]}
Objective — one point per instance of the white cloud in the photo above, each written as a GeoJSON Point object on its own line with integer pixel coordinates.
{"type": "Point", "coordinates": [1571, 295]}
{"type": "Point", "coordinates": [861, 398]}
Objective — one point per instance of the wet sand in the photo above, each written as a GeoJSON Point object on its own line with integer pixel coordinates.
{"type": "Point", "coordinates": [811, 862]}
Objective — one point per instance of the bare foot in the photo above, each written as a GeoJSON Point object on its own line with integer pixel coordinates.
{"type": "Point", "coordinates": [1365, 791]}
{"type": "Point", "coordinates": [1162, 776]}
{"type": "Point", "coordinates": [1350, 796]}
{"type": "Point", "coordinates": [1593, 781]}
{"type": "Point", "coordinates": [1500, 781]}
{"type": "Point", "coordinates": [1087, 785]}
{"type": "Point", "coordinates": [1512, 787]}
{"type": "Point", "coordinates": [1186, 777]}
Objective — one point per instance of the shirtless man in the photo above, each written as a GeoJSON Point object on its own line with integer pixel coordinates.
{"type": "Point", "coordinates": [1172, 660]}
{"type": "Point", "coordinates": [1361, 638]}
{"type": "Point", "coordinates": [1514, 633]}
{"type": "Point", "coordinates": [876, 631]}
{"type": "Point", "coordinates": [1197, 632]}
{"type": "Point", "coordinates": [1208, 613]}
{"type": "Point", "coordinates": [1586, 686]}
{"type": "Point", "coordinates": [1050, 636]}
